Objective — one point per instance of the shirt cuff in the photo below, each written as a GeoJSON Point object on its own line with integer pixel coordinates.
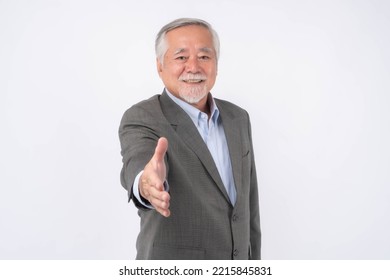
{"type": "Point", "coordinates": [136, 194]}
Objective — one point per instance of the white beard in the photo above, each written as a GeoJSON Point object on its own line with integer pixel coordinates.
{"type": "Point", "coordinates": [193, 93]}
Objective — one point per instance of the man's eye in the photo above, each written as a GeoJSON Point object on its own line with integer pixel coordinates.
{"type": "Point", "coordinates": [181, 58]}
{"type": "Point", "coordinates": [204, 57]}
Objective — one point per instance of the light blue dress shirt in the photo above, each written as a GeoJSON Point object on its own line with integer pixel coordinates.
{"type": "Point", "coordinates": [213, 134]}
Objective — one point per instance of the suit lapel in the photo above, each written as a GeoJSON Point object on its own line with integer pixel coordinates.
{"type": "Point", "coordinates": [189, 134]}
{"type": "Point", "coordinates": [231, 127]}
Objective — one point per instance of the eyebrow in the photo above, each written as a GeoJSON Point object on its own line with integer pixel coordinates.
{"type": "Point", "coordinates": [178, 51]}
{"type": "Point", "coordinates": [182, 50]}
{"type": "Point", "coordinates": [206, 50]}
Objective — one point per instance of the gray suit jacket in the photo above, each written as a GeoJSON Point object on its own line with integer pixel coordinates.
{"type": "Point", "coordinates": [203, 223]}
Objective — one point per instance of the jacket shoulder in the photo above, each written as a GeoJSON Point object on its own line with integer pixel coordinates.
{"type": "Point", "coordinates": [146, 110]}
{"type": "Point", "coordinates": [231, 109]}
{"type": "Point", "coordinates": [147, 105]}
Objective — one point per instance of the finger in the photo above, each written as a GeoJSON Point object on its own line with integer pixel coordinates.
{"type": "Point", "coordinates": [161, 149]}
{"type": "Point", "coordinates": [149, 189]}
{"type": "Point", "coordinates": [155, 195]}
{"type": "Point", "coordinates": [153, 181]}
{"type": "Point", "coordinates": [165, 213]}
{"type": "Point", "coordinates": [159, 204]}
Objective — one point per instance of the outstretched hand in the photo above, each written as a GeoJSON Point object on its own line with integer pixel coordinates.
{"type": "Point", "coordinates": [151, 184]}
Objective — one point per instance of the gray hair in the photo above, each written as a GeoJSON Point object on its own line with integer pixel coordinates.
{"type": "Point", "coordinates": [161, 45]}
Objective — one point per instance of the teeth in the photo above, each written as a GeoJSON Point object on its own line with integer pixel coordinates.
{"type": "Point", "coordinates": [193, 81]}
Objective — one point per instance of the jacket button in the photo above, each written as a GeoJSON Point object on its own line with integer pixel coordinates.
{"type": "Point", "coordinates": [235, 252]}
{"type": "Point", "coordinates": [235, 217]}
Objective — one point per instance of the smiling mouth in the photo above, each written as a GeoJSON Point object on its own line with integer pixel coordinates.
{"type": "Point", "coordinates": [193, 81]}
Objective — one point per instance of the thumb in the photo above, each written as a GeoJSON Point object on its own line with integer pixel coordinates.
{"type": "Point", "coordinates": [161, 149]}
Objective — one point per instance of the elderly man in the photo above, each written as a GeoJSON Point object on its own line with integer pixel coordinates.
{"type": "Point", "coordinates": [188, 160]}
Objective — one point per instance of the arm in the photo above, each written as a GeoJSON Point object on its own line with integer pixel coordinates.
{"type": "Point", "coordinates": [255, 233]}
{"type": "Point", "coordinates": [143, 150]}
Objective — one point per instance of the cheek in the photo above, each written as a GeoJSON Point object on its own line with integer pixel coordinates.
{"type": "Point", "coordinates": [212, 69]}
{"type": "Point", "coordinates": [212, 73]}
{"type": "Point", "coordinates": [174, 67]}
{"type": "Point", "coordinates": [177, 71]}
{"type": "Point", "coordinates": [170, 73]}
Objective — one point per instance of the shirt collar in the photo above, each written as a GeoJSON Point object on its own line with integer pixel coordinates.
{"type": "Point", "coordinates": [194, 113]}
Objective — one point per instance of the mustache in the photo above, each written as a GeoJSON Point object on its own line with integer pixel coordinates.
{"type": "Point", "coordinates": [187, 77]}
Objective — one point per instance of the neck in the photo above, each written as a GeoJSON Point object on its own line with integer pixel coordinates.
{"type": "Point", "coordinates": [203, 105]}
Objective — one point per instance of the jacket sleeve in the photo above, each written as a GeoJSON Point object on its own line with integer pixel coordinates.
{"type": "Point", "coordinates": [138, 138]}
{"type": "Point", "coordinates": [255, 233]}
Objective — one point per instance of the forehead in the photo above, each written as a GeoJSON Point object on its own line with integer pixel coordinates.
{"type": "Point", "coordinates": [190, 35]}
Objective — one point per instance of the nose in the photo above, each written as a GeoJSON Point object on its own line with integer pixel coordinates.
{"type": "Point", "coordinates": [192, 65]}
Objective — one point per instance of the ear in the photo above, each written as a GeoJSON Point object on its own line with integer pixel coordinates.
{"type": "Point", "coordinates": [159, 66]}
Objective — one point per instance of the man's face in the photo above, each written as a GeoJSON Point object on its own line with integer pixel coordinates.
{"type": "Point", "coordinates": [189, 67]}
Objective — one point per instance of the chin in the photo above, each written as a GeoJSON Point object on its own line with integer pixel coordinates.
{"type": "Point", "coordinates": [193, 95]}
{"type": "Point", "coordinates": [193, 99]}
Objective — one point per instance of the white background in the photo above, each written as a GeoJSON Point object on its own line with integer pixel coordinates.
{"type": "Point", "coordinates": [314, 76]}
